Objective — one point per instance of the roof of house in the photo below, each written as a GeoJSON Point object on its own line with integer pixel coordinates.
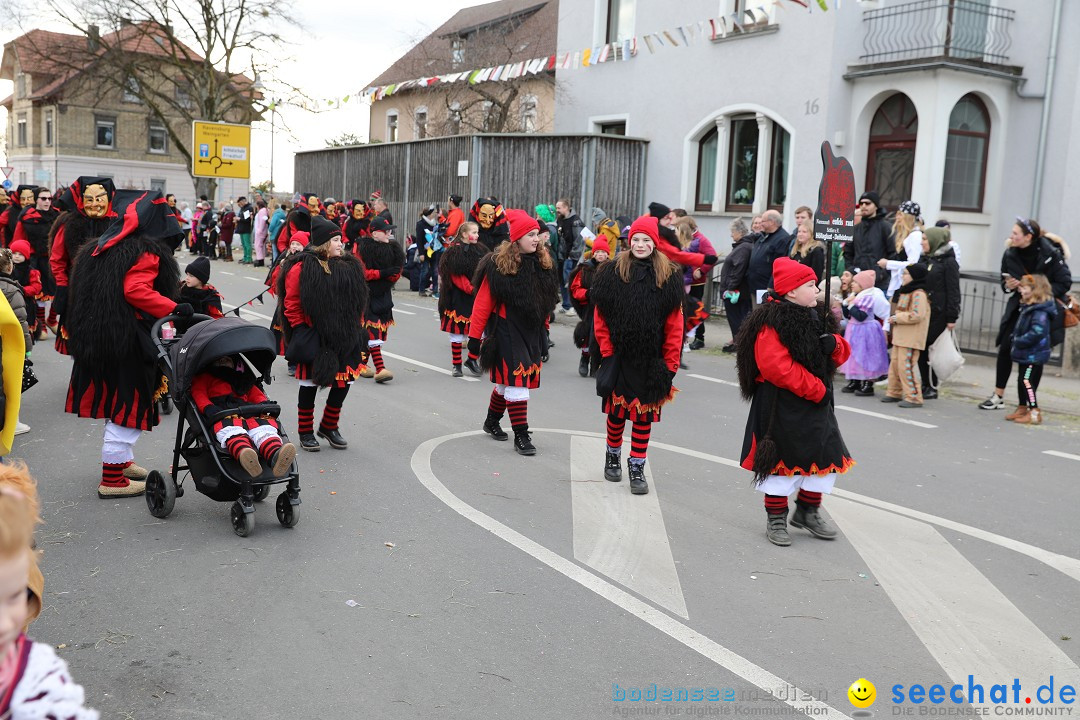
{"type": "Point", "coordinates": [527, 29]}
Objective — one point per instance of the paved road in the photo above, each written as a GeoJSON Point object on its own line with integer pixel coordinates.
{"type": "Point", "coordinates": [435, 573]}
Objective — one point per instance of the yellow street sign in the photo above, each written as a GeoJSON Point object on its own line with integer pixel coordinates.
{"type": "Point", "coordinates": [220, 150]}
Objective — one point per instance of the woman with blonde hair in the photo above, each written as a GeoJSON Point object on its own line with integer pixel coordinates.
{"type": "Point", "coordinates": [908, 235]}
{"type": "Point", "coordinates": [808, 250]}
{"type": "Point", "coordinates": [516, 289]}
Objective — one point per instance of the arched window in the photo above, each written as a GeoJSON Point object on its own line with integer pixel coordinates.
{"type": "Point", "coordinates": [965, 156]}
{"type": "Point", "coordinates": [890, 162]}
{"type": "Point", "coordinates": [706, 171]}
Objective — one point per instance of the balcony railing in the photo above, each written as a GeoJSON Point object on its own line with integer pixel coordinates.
{"type": "Point", "coordinates": [969, 30]}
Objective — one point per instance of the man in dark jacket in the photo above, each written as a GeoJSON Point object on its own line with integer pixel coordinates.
{"type": "Point", "coordinates": [873, 240]}
{"type": "Point", "coordinates": [571, 245]}
{"type": "Point", "coordinates": [245, 216]}
{"type": "Point", "coordinates": [734, 282]}
{"type": "Point", "coordinates": [773, 243]}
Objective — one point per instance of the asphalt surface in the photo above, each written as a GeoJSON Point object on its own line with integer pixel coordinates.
{"type": "Point", "coordinates": [435, 573]}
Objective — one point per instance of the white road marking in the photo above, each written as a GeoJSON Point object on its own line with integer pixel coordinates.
{"type": "Point", "coordinates": [418, 307]}
{"type": "Point", "coordinates": [1058, 453]}
{"type": "Point", "coordinates": [404, 312]}
{"type": "Point", "coordinates": [1062, 563]}
{"type": "Point", "coordinates": [883, 416]}
{"type": "Point", "coordinates": [621, 535]}
{"type": "Point", "coordinates": [717, 653]}
{"type": "Point", "coordinates": [226, 272]}
{"type": "Point", "coordinates": [425, 365]}
{"type": "Point", "coordinates": [229, 308]}
{"type": "Point", "coordinates": [712, 379]}
{"type": "Point", "coordinates": [248, 277]}
{"type": "Point", "coordinates": [965, 622]}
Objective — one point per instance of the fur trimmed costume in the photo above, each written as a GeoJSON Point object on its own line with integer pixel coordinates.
{"type": "Point", "coordinates": [383, 262]}
{"type": "Point", "coordinates": [456, 271]}
{"type": "Point", "coordinates": [34, 226]}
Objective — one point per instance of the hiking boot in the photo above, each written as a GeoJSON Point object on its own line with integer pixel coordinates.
{"type": "Point", "coordinates": [636, 471]}
{"type": "Point", "coordinates": [308, 442]}
{"type": "Point", "coordinates": [384, 376]}
{"type": "Point", "coordinates": [456, 372]}
{"type": "Point", "coordinates": [994, 402]}
{"type": "Point", "coordinates": [866, 388]}
{"type": "Point", "coordinates": [334, 438]}
{"type": "Point", "coordinates": [697, 344]}
{"type": "Point", "coordinates": [281, 460]}
{"type": "Point", "coordinates": [612, 467]}
{"type": "Point", "coordinates": [132, 489]}
{"type": "Point", "coordinates": [776, 529]}
{"type": "Point", "coordinates": [583, 366]}
{"type": "Point", "coordinates": [809, 518]}
{"type": "Point", "coordinates": [367, 372]}
{"type": "Point", "coordinates": [134, 472]}
{"type": "Point", "coordinates": [1020, 411]}
{"type": "Point", "coordinates": [851, 387]}
{"type": "Point", "coordinates": [473, 367]}
{"type": "Point", "coordinates": [491, 427]}
{"type": "Point", "coordinates": [1032, 417]}
{"type": "Point", "coordinates": [523, 442]}
{"type": "Point", "coordinates": [729, 348]}
{"type": "Point", "coordinates": [249, 460]}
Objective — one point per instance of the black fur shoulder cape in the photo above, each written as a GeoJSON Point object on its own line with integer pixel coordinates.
{"type": "Point", "coordinates": [77, 230]}
{"type": "Point", "coordinates": [586, 270]}
{"type": "Point", "coordinates": [799, 329]}
{"type": "Point", "coordinates": [381, 256]}
{"type": "Point", "coordinates": [529, 295]}
{"type": "Point", "coordinates": [635, 311]}
{"type": "Point", "coordinates": [103, 326]}
{"type": "Point", "coordinates": [458, 259]}
{"type": "Point", "coordinates": [335, 303]}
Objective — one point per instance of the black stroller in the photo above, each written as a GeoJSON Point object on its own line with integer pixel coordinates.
{"type": "Point", "coordinates": [215, 473]}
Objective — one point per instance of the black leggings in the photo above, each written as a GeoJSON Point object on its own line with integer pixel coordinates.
{"type": "Point", "coordinates": [306, 396]}
{"type": "Point", "coordinates": [1028, 382]}
{"type": "Point", "coordinates": [1004, 362]}
{"type": "Point", "coordinates": [698, 291]}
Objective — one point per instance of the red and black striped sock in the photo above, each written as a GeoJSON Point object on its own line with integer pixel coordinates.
{"type": "Point", "coordinates": [810, 499]}
{"type": "Point", "coordinates": [519, 414]}
{"type": "Point", "coordinates": [41, 316]}
{"type": "Point", "coordinates": [330, 417]}
{"type": "Point", "coordinates": [305, 410]}
{"type": "Point", "coordinates": [376, 357]}
{"type": "Point", "coordinates": [455, 352]}
{"type": "Point", "coordinates": [269, 447]}
{"type": "Point", "coordinates": [615, 427]}
{"type": "Point", "coordinates": [52, 314]}
{"type": "Point", "coordinates": [776, 504]}
{"type": "Point", "coordinates": [497, 404]}
{"type": "Point", "coordinates": [237, 443]}
{"type": "Point", "coordinates": [112, 474]}
{"type": "Point", "coordinates": [639, 439]}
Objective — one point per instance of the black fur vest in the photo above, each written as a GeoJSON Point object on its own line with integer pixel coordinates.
{"type": "Point", "coordinates": [78, 228]}
{"type": "Point", "coordinates": [635, 311]}
{"type": "Point", "coordinates": [528, 295]}
{"type": "Point", "coordinates": [458, 259]}
{"type": "Point", "coordinates": [381, 256]}
{"type": "Point", "coordinates": [102, 324]}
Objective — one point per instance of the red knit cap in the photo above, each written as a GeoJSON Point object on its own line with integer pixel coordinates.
{"type": "Point", "coordinates": [600, 244]}
{"type": "Point", "coordinates": [646, 224]}
{"type": "Point", "coordinates": [521, 224]}
{"type": "Point", "coordinates": [21, 246]}
{"type": "Point", "coordinates": [788, 275]}
{"type": "Point", "coordinates": [301, 237]}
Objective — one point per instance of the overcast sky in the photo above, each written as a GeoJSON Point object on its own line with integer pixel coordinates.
{"type": "Point", "coordinates": [346, 44]}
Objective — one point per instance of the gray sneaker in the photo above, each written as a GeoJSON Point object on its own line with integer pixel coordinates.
{"type": "Point", "coordinates": [776, 529]}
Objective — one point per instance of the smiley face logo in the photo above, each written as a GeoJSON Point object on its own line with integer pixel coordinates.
{"type": "Point", "coordinates": [862, 693]}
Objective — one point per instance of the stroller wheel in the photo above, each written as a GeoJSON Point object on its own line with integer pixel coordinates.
{"type": "Point", "coordinates": [261, 491]}
{"type": "Point", "coordinates": [165, 405]}
{"type": "Point", "coordinates": [160, 494]}
{"type": "Point", "coordinates": [287, 513]}
{"type": "Point", "coordinates": [242, 522]}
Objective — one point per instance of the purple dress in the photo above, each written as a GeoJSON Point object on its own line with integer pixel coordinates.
{"type": "Point", "coordinates": [869, 358]}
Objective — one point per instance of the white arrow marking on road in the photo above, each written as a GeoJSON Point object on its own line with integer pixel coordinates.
{"type": "Point", "coordinates": [965, 622]}
{"type": "Point", "coordinates": [619, 534]}
{"type": "Point", "coordinates": [1058, 453]}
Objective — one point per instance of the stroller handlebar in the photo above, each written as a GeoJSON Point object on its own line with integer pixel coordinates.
{"type": "Point", "coordinates": [155, 330]}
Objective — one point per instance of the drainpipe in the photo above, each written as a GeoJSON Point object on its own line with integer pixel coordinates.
{"type": "Point", "coordinates": [1040, 153]}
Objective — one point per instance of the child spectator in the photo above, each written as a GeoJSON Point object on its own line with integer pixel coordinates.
{"type": "Point", "coordinates": [869, 351]}
{"type": "Point", "coordinates": [910, 322]}
{"type": "Point", "coordinates": [1031, 344]}
{"type": "Point", "coordinates": [34, 682]}
{"type": "Point", "coordinates": [30, 280]}
{"type": "Point", "coordinates": [196, 289]}
{"type": "Point", "coordinates": [229, 384]}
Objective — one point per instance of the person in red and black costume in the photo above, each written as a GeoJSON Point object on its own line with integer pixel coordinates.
{"type": "Point", "coordinates": [638, 321]}
{"type": "Point", "coordinates": [516, 290]}
{"type": "Point", "coordinates": [126, 280]}
{"type": "Point", "coordinates": [299, 219]}
{"type": "Point", "coordinates": [786, 357]}
{"type": "Point", "coordinates": [321, 296]}
{"type": "Point", "coordinates": [456, 269]}
{"type": "Point", "coordinates": [87, 214]}
{"type": "Point", "coordinates": [490, 217]}
{"type": "Point", "coordinates": [29, 279]}
{"type": "Point", "coordinates": [33, 227]}
{"type": "Point", "coordinates": [196, 290]}
{"type": "Point", "coordinates": [23, 197]}
{"type": "Point", "coordinates": [356, 226]}
{"type": "Point", "coordinates": [383, 261]}
{"type": "Point", "coordinates": [581, 278]}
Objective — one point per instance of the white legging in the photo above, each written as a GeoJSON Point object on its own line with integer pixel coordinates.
{"type": "Point", "coordinates": [119, 443]}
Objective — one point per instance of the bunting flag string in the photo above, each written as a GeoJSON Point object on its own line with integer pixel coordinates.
{"type": "Point", "coordinates": [236, 310]}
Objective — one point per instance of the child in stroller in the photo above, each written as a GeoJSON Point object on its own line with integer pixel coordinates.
{"type": "Point", "coordinates": [226, 384]}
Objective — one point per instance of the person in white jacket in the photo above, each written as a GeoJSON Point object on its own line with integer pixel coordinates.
{"type": "Point", "coordinates": [907, 231]}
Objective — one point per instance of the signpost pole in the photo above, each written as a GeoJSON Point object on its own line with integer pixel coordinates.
{"type": "Point", "coordinates": [834, 221]}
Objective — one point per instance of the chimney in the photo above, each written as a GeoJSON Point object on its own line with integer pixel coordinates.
{"type": "Point", "coordinates": [93, 37]}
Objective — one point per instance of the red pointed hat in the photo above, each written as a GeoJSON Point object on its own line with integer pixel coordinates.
{"type": "Point", "coordinates": [788, 274]}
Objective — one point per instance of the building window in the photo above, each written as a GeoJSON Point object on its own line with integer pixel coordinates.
{"type": "Point", "coordinates": [20, 137]}
{"type": "Point", "coordinates": [488, 109]}
{"type": "Point", "coordinates": [612, 128]}
{"type": "Point", "coordinates": [742, 164]}
{"type": "Point", "coordinates": [105, 132]}
{"type": "Point", "coordinates": [778, 167]}
{"type": "Point", "coordinates": [453, 119]}
{"type": "Point", "coordinates": [965, 156]}
{"type": "Point", "coordinates": [391, 126]}
{"type": "Point", "coordinates": [20, 85]}
{"type": "Point", "coordinates": [420, 116]}
{"type": "Point", "coordinates": [48, 128]}
{"type": "Point", "coordinates": [528, 113]}
{"type": "Point", "coordinates": [159, 139]}
{"type": "Point", "coordinates": [132, 90]}
{"type": "Point", "coordinates": [706, 170]}
{"type": "Point", "coordinates": [157, 184]}
{"type": "Point", "coordinates": [457, 51]}
{"type": "Point", "coordinates": [890, 164]}
{"type": "Point", "coordinates": [620, 20]}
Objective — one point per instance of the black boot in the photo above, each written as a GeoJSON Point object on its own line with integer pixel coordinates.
{"type": "Point", "coordinates": [776, 529]}
{"type": "Point", "coordinates": [929, 393]}
{"type": "Point", "coordinates": [866, 388]}
{"type": "Point", "coordinates": [583, 366]}
{"type": "Point", "coordinates": [636, 471]}
{"type": "Point", "coordinates": [491, 427]}
{"type": "Point", "coordinates": [612, 467]}
{"type": "Point", "coordinates": [851, 387]}
{"type": "Point", "coordinates": [308, 442]}
{"type": "Point", "coordinates": [456, 372]}
{"type": "Point", "coordinates": [334, 438]}
{"type": "Point", "coordinates": [807, 517]}
{"type": "Point", "coordinates": [523, 441]}
{"type": "Point", "coordinates": [473, 367]}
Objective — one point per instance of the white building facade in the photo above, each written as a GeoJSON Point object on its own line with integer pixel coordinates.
{"type": "Point", "coordinates": [939, 101]}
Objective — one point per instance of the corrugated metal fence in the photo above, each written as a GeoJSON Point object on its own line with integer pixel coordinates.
{"type": "Point", "coordinates": [521, 170]}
